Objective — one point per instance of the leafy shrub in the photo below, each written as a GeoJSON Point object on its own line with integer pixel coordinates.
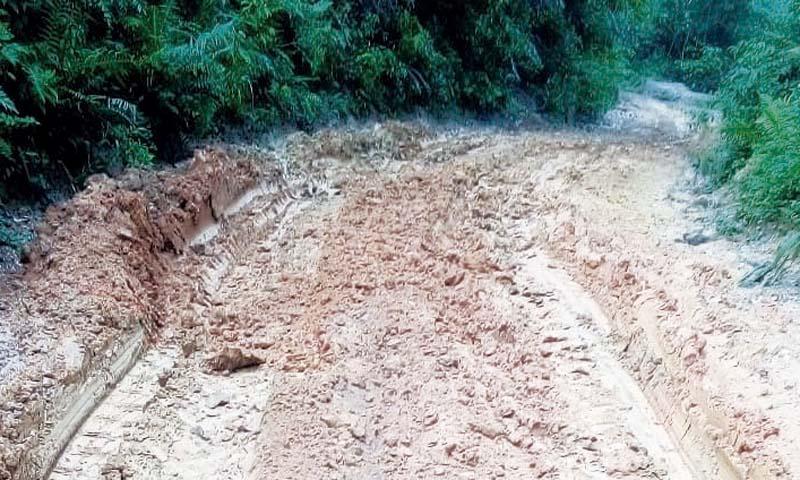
{"type": "Point", "coordinates": [770, 181]}
{"type": "Point", "coordinates": [687, 40]}
{"type": "Point", "coordinates": [758, 97]}
{"type": "Point", "coordinates": [703, 70]}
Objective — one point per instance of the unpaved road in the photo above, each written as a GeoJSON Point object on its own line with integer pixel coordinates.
{"type": "Point", "coordinates": [422, 302]}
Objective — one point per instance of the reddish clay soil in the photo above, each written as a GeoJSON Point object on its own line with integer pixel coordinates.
{"type": "Point", "coordinates": [102, 269]}
{"type": "Point", "coordinates": [400, 301]}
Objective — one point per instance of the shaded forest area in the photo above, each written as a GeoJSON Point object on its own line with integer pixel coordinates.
{"type": "Point", "coordinates": [100, 85]}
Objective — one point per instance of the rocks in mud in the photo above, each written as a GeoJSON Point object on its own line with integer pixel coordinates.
{"type": "Point", "coordinates": [163, 378]}
{"type": "Point", "coordinates": [251, 424]}
{"type": "Point", "coordinates": [218, 399]}
{"type": "Point", "coordinates": [115, 471]}
{"type": "Point", "coordinates": [696, 238]}
{"type": "Point", "coordinates": [198, 430]}
{"type": "Point", "coordinates": [165, 372]}
{"type": "Point", "coordinates": [505, 411]}
{"type": "Point", "coordinates": [358, 430]}
{"type": "Point", "coordinates": [126, 234]}
{"type": "Point", "coordinates": [520, 437]}
{"type": "Point", "coordinates": [431, 418]}
{"type": "Point", "coordinates": [330, 421]}
{"type": "Point", "coordinates": [490, 430]}
{"type": "Point", "coordinates": [588, 254]}
{"type": "Point", "coordinates": [454, 280]}
{"type": "Point", "coordinates": [553, 339]}
{"type": "Point", "coordinates": [230, 359]}
{"type": "Point", "coordinates": [188, 347]}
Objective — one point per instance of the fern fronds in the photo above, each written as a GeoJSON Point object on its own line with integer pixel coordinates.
{"type": "Point", "coordinates": [6, 103]}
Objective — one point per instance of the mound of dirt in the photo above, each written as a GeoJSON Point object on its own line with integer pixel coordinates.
{"type": "Point", "coordinates": [99, 272]}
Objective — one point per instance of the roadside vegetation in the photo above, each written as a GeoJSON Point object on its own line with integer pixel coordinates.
{"type": "Point", "coordinates": [751, 62]}
{"type": "Point", "coordinates": [100, 85]}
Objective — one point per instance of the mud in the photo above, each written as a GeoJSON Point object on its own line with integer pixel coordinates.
{"type": "Point", "coordinates": [404, 301]}
{"type": "Point", "coordinates": [101, 270]}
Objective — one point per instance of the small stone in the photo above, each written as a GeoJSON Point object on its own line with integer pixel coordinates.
{"type": "Point", "coordinates": [454, 280]}
{"type": "Point", "coordinates": [696, 238]}
{"type": "Point", "coordinates": [359, 383]}
{"type": "Point", "coordinates": [218, 399]}
{"type": "Point", "coordinates": [164, 377]}
{"type": "Point", "coordinates": [330, 421]}
{"type": "Point", "coordinates": [358, 431]}
{"type": "Point", "coordinates": [126, 234]}
{"type": "Point", "coordinates": [447, 362]}
{"type": "Point", "coordinates": [430, 419]}
{"type": "Point", "coordinates": [519, 437]}
{"type": "Point", "coordinates": [230, 359]}
{"type": "Point", "coordinates": [251, 425]}
{"type": "Point", "coordinates": [226, 436]}
{"type": "Point", "coordinates": [198, 430]}
{"type": "Point", "coordinates": [505, 412]}
{"type": "Point", "coordinates": [490, 431]}
{"type": "Point", "coordinates": [188, 348]}
{"type": "Point", "coordinates": [553, 339]}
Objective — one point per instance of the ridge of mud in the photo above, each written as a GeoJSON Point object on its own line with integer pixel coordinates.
{"type": "Point", "coordinates": [99, 273]}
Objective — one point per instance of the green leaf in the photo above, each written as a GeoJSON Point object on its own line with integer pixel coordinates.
{"type": "Point", "coordinates": [5, 33]}
{"type": "Point", "coordinates": [6, 103]}
{"type": "Point", "coordinates": [12, 121]}
{"type": "Point", "coordinates": [43, 84]}
{"type": "Point", "coordinates": [5, 148]}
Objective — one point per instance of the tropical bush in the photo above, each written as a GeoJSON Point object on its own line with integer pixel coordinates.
{"type": "Point", "coordinates": [688, 40]}
{"type": "Point", "coordinates": [758, 92]}
{"type": "Point", "coordinates": [758, 96]}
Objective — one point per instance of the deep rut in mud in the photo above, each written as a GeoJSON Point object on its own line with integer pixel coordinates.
{"type": "Point", "coordinates": [413, 302]}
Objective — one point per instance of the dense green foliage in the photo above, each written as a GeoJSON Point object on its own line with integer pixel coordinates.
{"type": "Point", "coordinates": [689, 39]}
{"type": "Point", "coordinates": [759, 96]}
{"type": "Point", "coordinates": [749, 56]}
{"type": "Point", "coordinates": [103, 84]}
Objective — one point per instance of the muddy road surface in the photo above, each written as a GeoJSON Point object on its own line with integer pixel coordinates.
{"type": "Point", "coordinates": [403, 302]}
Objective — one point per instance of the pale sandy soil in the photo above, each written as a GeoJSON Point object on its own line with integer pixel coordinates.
{"type": "Point", "coordinates": [408, 301]}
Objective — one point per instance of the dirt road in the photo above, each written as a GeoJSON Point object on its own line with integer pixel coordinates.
{"type": "Point", "coordinates": [468, 303]}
